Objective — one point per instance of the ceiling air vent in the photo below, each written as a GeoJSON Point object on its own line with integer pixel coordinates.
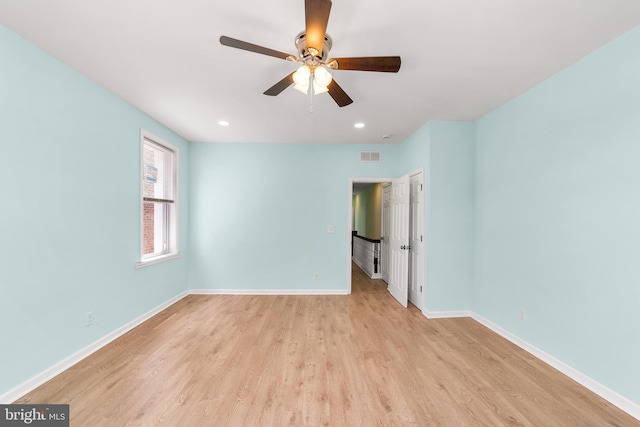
{"type": "Point", "coordinates": [370, 156]}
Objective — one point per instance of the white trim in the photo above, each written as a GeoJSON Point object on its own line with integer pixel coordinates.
{"type": "Point", "coordinates": [416, 172]}
{"type": "Point", "coordinates": [156, 260]}
{"type": "Point", "coordinates": [421, 244]}
{"type": "Point", "coordinates": [268, 292]}
{"type": "Point", "coordinates": [44, 376]}
{"type": "Point", "coordinates": [446, 314]}
{"type": "Point", "coordinates": [606, 393]}
{"type": "Point", "coordinates": [601, 390]}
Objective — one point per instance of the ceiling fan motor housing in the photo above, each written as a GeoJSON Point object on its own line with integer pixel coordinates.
{"type": "Point", "coordinates": [303, 52]}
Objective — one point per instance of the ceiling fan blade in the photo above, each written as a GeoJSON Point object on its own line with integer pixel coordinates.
{"type": "Point", "coordinates": [316, 19]}
{"type": "Point", "coordinates": [384, 64]}
{"type": "Point", "coordinates": [239, 44]}
{"type": "Point", "coordinates": [339, 95]}
{"type": "Point", "coordinates": [280, 86]}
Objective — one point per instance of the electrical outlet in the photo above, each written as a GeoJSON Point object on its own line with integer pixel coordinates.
{"type": "Point", "coordinates": [523, 314]}
{"type": "Point", "coordinates": [89, 318]}
{"type": "Point", "coordinates": [316, 276]}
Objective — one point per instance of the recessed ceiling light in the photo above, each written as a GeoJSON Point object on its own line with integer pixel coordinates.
{"type": "Point", "coordinates": [358, 125]}
{"type": "Point", "coordinates": [223, 123]}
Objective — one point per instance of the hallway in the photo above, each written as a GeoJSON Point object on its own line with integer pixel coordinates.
{"type": "Point", "coordinates": [360, 282]}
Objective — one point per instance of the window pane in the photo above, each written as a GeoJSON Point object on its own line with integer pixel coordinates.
{"type": "Point", "coordinates": [157, 173]}
{"type": "Point", "coordinates": [159, 199]}
{"type": "Point", "coordinates": [155, 228]}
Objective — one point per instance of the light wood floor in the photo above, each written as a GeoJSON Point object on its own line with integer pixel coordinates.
{"type": "Point", "coordinates": [357, 360]}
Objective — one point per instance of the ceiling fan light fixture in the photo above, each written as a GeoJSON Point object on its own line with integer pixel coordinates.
{"type": "Point", "coordinates": [301, 78]}
{"type": "Point", "coordinates": [319, 77]}
{"type": "Point", "coordinates": [322, 77]}
{"type": "Point", "coordinates": [318, 89]}
{"type": "Point", "coordinates": [302, 88]}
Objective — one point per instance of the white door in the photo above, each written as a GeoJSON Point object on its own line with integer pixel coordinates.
{"type": "Point", "coordinates": [399, 240]}
{"type": "Point", "coordinates": [416, 232]}
{"type": "Point", "coordinates": [386, 232]}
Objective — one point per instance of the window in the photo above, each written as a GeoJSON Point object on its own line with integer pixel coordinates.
{"type": "Point", "coordinates": [159, 200]}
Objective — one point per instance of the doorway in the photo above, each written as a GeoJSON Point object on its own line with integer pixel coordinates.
{"type": "Point", "coordinates": [415, 236]}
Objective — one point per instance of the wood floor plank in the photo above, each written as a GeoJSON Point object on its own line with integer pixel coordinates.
{"type": "Point", "coordinates": [355, 360]}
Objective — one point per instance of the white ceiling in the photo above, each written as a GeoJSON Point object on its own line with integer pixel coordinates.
{"type": "Point", "coordinates": [460, 59]}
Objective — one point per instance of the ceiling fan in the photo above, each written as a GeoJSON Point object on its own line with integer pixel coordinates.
{"type": "Point", "coordinates": [314, 44]}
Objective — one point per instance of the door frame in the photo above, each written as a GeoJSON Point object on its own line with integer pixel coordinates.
{"type": "Point", "coordinates": [384, 261]}
{"type": "Point", "coordinates": [426, 228]}
{"type": "Point", "coordinates": [421, 243]}
{"type": "Point", "coordinates": [350, 216]}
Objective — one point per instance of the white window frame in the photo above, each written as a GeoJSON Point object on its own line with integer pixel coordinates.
{"type": "Point", "coordinates": [172, 245]}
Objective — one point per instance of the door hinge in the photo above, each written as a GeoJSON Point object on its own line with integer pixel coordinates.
{"type": "Point", "coordinates": [420, 288]}
{"type": "Point", "coordinates": [421, 238]}
{"type": "Point", "coordinates": [420, 187]}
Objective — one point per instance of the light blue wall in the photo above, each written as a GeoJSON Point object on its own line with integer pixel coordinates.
{"type": "Point", "coordinates": [551, 225]}
{"type": "Point", "coordinates": [446, 152]}
{"type": "Point", "coordinates": [70, 214]}
{"type": "Point", "coordinates": [260, 212]}
{"type": "Point", "coordinates": [557, 228]}
{"type": "Point", "coordinates": [451, 210]}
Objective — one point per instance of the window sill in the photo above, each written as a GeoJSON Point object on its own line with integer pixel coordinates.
{"type": "Point", "coordinates": [156, 260]}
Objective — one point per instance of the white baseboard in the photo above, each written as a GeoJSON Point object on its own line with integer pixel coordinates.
{"type": "Point", "coordinates": [41, 378]}
{"type": "Point", "coordinates": [268, 292]}
{"type": "Point", "coordinates": [606, 393]}
{"type": "Point", "coordinates": [31, 384]}
{"type": "Point", "coordinates": [446, 314]}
